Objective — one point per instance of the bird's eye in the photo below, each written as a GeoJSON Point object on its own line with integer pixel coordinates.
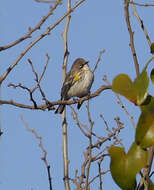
{"type": "Point", "coordinates": [81, 66]}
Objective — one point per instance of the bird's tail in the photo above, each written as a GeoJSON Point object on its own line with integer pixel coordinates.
{"type": "Point", "coordinates": [60, 109]}
{"type": "Point", "coordinates": [79, 105]}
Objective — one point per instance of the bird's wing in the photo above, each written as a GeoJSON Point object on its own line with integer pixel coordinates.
{"type": "Point", "coordinates": [66, 85]}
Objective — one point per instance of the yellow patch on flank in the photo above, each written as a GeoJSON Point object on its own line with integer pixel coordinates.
{"type": "Point", "coordinates": [76, 78]}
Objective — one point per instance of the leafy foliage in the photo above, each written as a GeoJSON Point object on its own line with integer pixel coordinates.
{"type": "Point", "coordinates": [152, 75]}
{"type": "Point", "coordinates": [124, 167]}
{"type": "Point", "coordinates": [145, 127]}
{"type": "Point", "coordinates": [136, 91]}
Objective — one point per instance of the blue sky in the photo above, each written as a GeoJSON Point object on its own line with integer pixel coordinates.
{"type": "Point", "coordinates": [95, 25]}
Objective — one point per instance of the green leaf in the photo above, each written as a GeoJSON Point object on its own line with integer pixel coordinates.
{"type": "Point", "coordinates": [137, 158]}
{"type": "Point", "coordinates": [141, 85]}
{"type": "Point", "coordinates": [152, 75]}
{"type": "Point", "coordinates": [136, 91]}
{"type": "Point", "coordinates": [123, 85]}
{"type": "Point", "coordinates": [145, 126]}
{"type": "Point", "coordinates": [124, 167]}
{"type": "Point", "coordinates": [119, 169]}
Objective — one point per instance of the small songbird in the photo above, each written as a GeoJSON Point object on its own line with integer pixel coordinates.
{"type": "Point", "coordinates": [77, 83]}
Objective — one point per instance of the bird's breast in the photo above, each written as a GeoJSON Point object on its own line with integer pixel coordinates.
{"type": "Point", "coordinates": [82, 86]}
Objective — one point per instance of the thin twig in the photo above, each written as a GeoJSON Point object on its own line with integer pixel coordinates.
{"type": "Point", "coordinates": [126, 111]}
{"type": "Point", "coordinates": [43, 73]}
{"type": "Point", "coordinates": [89, 149]}
{"type": "Point", "coordinates": [81, 126]}
{"type": "Point", "coordinates": [31, 30]}
{"type": "Point", "coordinates": [115, 131]}
{"type": "Point", "coordinates": [44, 158]}
{"type": "Point", "coordinates": [45, 1]}
{"type": "Point", "coordinates": [99, 155]}
{"type": "Point", "coordinates": [141, 4]}
{"type": "Point", "coordinates": [88, 158]}
{"type": "Point", "coordinates": [146, 171]}
{"type": "Point", "coordinates": [100, 176]}
{"type": "Point", "coordinates": [27, 89]}
{"type": "Point", "coordinates": [99, 59]}
{"type": "Point", "coordinates": [122, 105]}
{"type": "Point", "coordinates": [89, 116]}
{"type": "Point", "coordinates": [31, 44]}
{"type": "Point", "coordinates": [142, 25]}
{"type": "Point", "coordinates": [131, 35]}
{"type": "Point", "coordinates": [66, 102]}
{"type": "Point", "coordinates": [64, 123]}
{"type": "Point", "coordinates": [102, 173]}
{"type": "Point", "coordinates": [45, 68]}
{"type": "Point", "coordinates": [38, 80]}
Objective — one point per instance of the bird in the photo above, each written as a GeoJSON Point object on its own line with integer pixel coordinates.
{"type": "Point", "coordinates": [77, 83]}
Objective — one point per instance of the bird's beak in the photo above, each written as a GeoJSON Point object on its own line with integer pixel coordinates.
{"type": "Point", "coordinates": [86, 62]}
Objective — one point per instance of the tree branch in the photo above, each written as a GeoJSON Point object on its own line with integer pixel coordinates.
{"type": "Point", "coordinates": [31, 30]}
{"type": "Point", "coordinates": [31, 44]}
{"type": "Point", "coordinates": [66, 102]}
{"type": "Point", "coordinates": [142, 25]}
{"type": "Point", "coordinates": [63, 116]}
{"type": "Point", "coordinates": [142, 4]}
{"type": "Point", "coordinates": [44, 158]}
{"type": "Point", "coordinates": [131, 35]}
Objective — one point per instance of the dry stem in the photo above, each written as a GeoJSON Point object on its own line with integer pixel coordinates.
{"type": "Point", "coordinates": [31, 44]}
{"type": "Point", "coordinates": [131, 35]}
{"type": "Point", "coordinates": [64, 123]}
{"type": "Point", "coordinates": [44, 158]}
{"type": "Point", "coordinates": [31, 30]}
{"type": "Point", "coordinates": [66, 102]}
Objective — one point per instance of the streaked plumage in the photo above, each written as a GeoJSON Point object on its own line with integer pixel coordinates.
{"type": "Point", "coordinates": [77, 83]}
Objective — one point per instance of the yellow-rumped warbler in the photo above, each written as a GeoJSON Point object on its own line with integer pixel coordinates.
{"type": "Point", "coordinates": [77, 83]}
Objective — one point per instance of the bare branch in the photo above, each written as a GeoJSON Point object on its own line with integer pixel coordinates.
{"type": "Point", "coordinates": [131, 35]}
{"type": "Point", "coordinates": [44, 158]}
{"type": "Point", "coordinates": [114, 132]}
{"type": "Point", "coordinates": [84, 128]}
{"type": "Point", "coordinates": [65, 102]}
{"type": "Point", "coordinates": [142, 4]}
{"type": "Point", "coordinates": [38, 80]}
{"type": "Point", "coordinates": [89, 150]}
{"type": "Point", "coordinates": [122, 105]}
{"type": "Point", "coordinates": [64, 123]}
{"type": "Point", "coordinates": [100, 177]}
{"type": "Point", "coordinates": [79, 124]}
{"type": "Point", "coordinates": [102, 173]}
{"type": "Point", "coordinates": [27, 89]}
{"type": "Point", "coordinates": [147, 169]}
{"type": "Point", "coordinates": [31, 30]}
{"type": "Point", "coordinates": [45, 1]}
{"type": "Point", "coordinates": [142, 25]}
{"type": "Point", "coordinates": [45, 68]}
{"type": "Point", "coordinates": [31, 44]}
{"type": "Point", "coordinates": [82, 182]}
{"type": "Point", "coordinates": [99, 59]}
{"type": "Point", "coordinates": [89, 116]}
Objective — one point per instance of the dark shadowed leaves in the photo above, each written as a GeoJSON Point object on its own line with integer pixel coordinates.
{"type": "Point", "coordinates": [145, 127]}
